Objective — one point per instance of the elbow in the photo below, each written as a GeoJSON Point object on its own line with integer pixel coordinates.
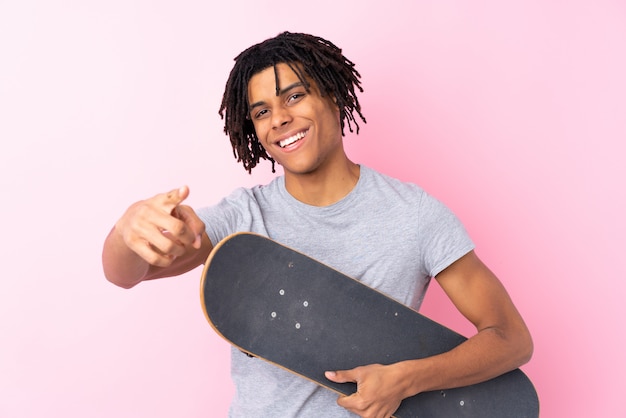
{"type": "Point", "coordinates": [124, 285]}
{"type": "Point", "coordinates": [117, 277]}
{"type": "Point", "coordinates": [524, 347]}
{"type": "Point", "coordinates": [120, 282]}
{"type": "Point", "coordinates": [122, 274]}
{"type": "Point", "coordinates": [528, 349]}
{"type": "Point", "coordinates": [517, 346]}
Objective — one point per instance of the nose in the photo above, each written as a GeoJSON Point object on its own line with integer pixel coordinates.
{"type": "Point", "coordinates": [280, 117]}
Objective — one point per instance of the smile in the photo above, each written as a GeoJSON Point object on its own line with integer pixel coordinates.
{"type": "Point", "coordinates": [292, 139]}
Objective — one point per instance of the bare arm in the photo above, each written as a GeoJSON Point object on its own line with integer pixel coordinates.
{"type": "Point", "coordinates": [502, 343]}
{"type": "Point", "coordinates": [156, 237]}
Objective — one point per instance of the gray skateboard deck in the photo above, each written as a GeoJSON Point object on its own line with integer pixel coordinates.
{"type": "Point", "coordinates": [286, 308]}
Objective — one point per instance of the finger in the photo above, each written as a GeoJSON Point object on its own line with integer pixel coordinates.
{"type": "Point", "coordinates": [191, 232]}
{"type": "Point", "coordinates": [166, 240]}
{"type": "Point", "coordinates": [194, 225]}
{"type": "Point", "coordinates": [341, 376]}
{"type": "Point", "coordinates": [197, 243]}
{"type": "Point", "coordinates": [154, 256]}
{"type": "Point", "coordinates": [353, 403]}
{"type": "Point", "coordinates": [186, 229]}
{"type": "Point", "coordinates": [175, 197]}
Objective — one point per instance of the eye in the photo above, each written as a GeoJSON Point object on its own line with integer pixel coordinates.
{"type": "Point", "coordinates": [296, 97]}
{"type": "Point", "coordinates": [260, 113]}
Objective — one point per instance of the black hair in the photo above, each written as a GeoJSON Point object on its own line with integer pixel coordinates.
{"type": "Point", "coordinates": [307, 55]}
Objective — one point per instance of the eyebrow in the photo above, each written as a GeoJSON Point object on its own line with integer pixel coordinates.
{"type": "Point", "coordinates": [279, 93]}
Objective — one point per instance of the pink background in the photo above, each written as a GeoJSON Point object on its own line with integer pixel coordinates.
{"type": "Point", "coordinates": [513, 113]}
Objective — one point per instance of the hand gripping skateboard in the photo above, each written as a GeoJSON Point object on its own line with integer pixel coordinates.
{"type": "Point", "coordinates": [286, 308]}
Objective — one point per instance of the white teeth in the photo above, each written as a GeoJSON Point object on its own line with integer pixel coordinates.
{"type": "Point", "coordinates": [291, 139]}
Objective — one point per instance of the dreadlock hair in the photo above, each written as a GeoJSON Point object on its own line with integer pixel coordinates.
{"type": "Point", "coordinates": [306, 55]}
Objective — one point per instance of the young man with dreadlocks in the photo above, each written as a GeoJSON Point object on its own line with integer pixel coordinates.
{"type": "Point", "coordinates": [288, 100]}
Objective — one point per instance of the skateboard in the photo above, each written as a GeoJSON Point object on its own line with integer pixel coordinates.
{"type": "Point", "coordinates": [284, 307]}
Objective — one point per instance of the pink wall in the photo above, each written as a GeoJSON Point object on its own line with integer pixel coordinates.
{"type": "Point", "coordinates": [512, 113]}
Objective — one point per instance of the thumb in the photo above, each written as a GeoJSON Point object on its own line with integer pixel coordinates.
{"type": "Point", "coordinates": [175, 197]}
{"type": "Point", "coordinates": [341, 376]}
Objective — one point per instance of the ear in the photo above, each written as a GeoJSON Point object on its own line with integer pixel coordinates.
{"type": "Point", "coordinates": [334, 99]}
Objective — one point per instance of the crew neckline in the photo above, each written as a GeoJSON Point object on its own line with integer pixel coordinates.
{"type": "Point", "coordinates": [334, 207]}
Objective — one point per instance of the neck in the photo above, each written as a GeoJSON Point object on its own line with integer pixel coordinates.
{"type": "Point", "coordinates": [323, 187]}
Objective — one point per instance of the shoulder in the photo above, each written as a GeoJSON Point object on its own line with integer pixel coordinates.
{"type": "Point", "coordinates": [244, 209]}
{"type": "Point", "coordinates": [390, 187]}
{"type": "Point", "coordinates": [408, 199]}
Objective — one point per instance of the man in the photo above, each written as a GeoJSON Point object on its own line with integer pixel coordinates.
{"type": "Point", "coordinates": [288, 100]}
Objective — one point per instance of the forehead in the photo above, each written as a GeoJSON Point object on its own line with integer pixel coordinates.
{"type": "Point", "coordinates": [268, 81]}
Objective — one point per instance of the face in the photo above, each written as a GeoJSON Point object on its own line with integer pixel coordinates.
{"type": "Point", "coordinates": [301, 130]}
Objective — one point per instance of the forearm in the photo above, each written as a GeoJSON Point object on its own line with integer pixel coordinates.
{"type": "Point", "coordinates": [486, 355]}
{"type": "Point", "coordinates": [121, 265]}
{"type": "Point", "coordinates": [154, 238]}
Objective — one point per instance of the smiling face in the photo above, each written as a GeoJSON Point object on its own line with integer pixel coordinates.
{"type": "Point", "coordinates": [300, 129]}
